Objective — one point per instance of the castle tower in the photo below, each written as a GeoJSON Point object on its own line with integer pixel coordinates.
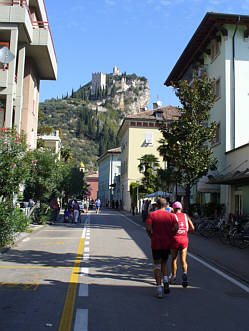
{"type": "Point", "coordinates": [116, 71]}
{"type": "Point", "coordinates": [98, 81]}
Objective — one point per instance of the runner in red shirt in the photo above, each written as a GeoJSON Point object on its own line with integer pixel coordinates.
{"type": "Point", "coordinates": [180, 243]}
{"type": "Point", "coordinates": [161, 225]}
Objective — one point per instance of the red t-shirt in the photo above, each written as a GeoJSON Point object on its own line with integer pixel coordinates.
{"type": "Point", "coordinates": [162, 223]}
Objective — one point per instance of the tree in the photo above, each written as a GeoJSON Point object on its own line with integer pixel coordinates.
{"type": "Point", "coordinates": [44, 176]}
{"type": "Point", "coordinates": [14, 164]}
{"type": "Point", "coordinates": [148, 165]}
{"type": "Point", "coordinates": [186, 142]}
{"type": "Point", "coordinates": [66, 154]}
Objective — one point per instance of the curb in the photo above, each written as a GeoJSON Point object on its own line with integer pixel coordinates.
{"type": "Point", "coordinates": [20, 236]}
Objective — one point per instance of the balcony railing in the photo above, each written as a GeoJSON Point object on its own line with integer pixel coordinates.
{"type": "Point", "coordinates": [35, 24]}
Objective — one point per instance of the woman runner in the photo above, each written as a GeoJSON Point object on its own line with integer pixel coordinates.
{"type": "Point", "coordinates": [180, 243]}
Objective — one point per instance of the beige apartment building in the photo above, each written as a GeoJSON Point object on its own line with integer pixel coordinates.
{"type": "Point", "coordinates": [139, 135]}
{"type": "Point", "coordinates": [24, 30]}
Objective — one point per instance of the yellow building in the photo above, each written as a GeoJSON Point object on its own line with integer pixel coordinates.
{"type": "Point", "coordinates": [139, 135]}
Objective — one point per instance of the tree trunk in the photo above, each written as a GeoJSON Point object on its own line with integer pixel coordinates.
{"type": "Point", "coordinates": [187, 198]}
{"type": "Point", "coordinates": [33, 208]}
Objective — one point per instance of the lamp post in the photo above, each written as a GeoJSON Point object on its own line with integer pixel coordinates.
{"type": "Point", "coordinates": [137, 182]}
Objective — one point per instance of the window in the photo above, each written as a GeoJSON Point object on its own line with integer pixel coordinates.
{"type": "Point", "coordinates": [217, 89]}
{"type": "Point", "coordinates": [217, 139]}
{"type": "Point", "coordinates": [215, 49]}
{"type": "Point", "coordinates": [148, 138]}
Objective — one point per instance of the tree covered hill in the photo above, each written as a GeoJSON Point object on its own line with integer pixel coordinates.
{"type": "Point", "coordinates": [89, 122]}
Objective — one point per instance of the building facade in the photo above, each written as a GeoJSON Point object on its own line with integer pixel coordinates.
{"type": "Point", "coordinates": [109, 175]}
{"type": "Point", "coordinates": [93, 183]}
{"type": "Point", "coordinates": [52, 141]}
{"type": "Point", "coordinates": [219, 47]}
{"type": "Point", "coordinates": [139, 135]}
{"type": "Point", "coordinates": [24, 30]}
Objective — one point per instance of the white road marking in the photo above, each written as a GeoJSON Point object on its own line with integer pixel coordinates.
{"type": "Point", "coordinates": [81, 320]}
{"type": "Point", "coordinates": [84, 271]}
{"type": "Point", "coordinates": [86, 249]}
{"type": "Point", "coordinates": [219, 272]}
{"type": "Point", "coordinates": [83, 290]}
{"type": "Point", "coordinates": [86, 257]}
{"type": "Point", "coordinates": [26, 239]}
{"type": "Point", "coordinates": [87, 243]}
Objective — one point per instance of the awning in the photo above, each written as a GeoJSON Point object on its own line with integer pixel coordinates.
{"type": "Point", "coordinates": [232, 178]}
{"type": "Point", "coordinates": [158, 194]}
{"type": "Point", "coordinates": [204, 186]}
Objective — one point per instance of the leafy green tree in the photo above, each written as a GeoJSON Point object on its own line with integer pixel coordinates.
{"type": "Point", "coordinates": [45, 174]}
{"type": "Point", "coordinates": [148, 166]}
{"type": "Point", "coordinates": [74, 184]}
{"type": "Point", "coordinates": [14, 164]}
{"type": "Point", "coordinates": [186, 142]}
{"type": "Point", "coordinates": [66, 154]}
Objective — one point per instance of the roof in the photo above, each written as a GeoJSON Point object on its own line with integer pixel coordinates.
{"type": "Point", "coordinates": [168, 113]}
{"type": "Point", "coordinates": [110, 151]}
{"type": "Point", "coordinates": [211, 24]}
{"type": "Point", "coordinates": [92, 176]}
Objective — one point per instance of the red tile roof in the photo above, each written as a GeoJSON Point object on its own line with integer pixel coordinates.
{"type": "Point", "coordinates": [168, 113]}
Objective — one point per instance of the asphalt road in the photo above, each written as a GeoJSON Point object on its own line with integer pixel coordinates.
{"type": "Point", "coordinates": [98, 276]}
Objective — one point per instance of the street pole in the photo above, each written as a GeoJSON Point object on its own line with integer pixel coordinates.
{"type": "Point", "coordinates": [137, 182]}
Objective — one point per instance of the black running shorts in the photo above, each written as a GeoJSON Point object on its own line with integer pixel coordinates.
{"type": "Point", "coordinates": [160, 254]}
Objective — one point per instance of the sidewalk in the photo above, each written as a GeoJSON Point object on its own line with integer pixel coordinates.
{"type": "Point", "coordinates": [22, 235]}
{"type": "Point", "coordinates": [231, 260]}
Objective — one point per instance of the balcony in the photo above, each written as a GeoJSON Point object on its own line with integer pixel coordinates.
{"type": "Point", "coordinates": [36, 34]}
{"type": "Point", "coordinates": [43, 51]}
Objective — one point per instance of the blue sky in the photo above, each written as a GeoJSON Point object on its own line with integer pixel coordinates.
{"type": "Point", "coordinates": [145, 37]}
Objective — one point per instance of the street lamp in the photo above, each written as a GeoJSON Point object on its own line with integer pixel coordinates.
{"type": "Point", "coordinates": [137, 182]}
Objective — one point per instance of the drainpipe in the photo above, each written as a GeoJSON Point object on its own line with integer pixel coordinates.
{"type": "Point", "coordinates": [233, 72]}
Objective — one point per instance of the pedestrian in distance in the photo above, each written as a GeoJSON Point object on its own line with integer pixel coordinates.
{"type": "Point", "coordinates": [180, 243]}
{"type": "Point", "coordinates": [66, 215]}
{"type": "Point", "coordinates": [168, 208]}
{"type": "Point", "coordinates": [98, 203]}
{"type": "Point", "coordinates": [76, 211]}
{"type": "Point", "coordinates": [133, 207]}
{"type": "Point", "coordinates": [160, 227]}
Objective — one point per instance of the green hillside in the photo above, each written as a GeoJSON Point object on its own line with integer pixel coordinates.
{"type": "Point", "coordinates": [89, 123]}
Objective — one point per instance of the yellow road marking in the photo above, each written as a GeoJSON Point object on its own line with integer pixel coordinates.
{"type": "Point", "coordinates": [32, 267]}
{"type": "Point", "coordinates": [22, 286]}
{"type": "Point", "coordinates": [68, 310]}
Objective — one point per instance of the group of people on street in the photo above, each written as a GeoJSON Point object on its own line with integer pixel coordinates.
{"type": "Point", "coordinates": [72, 212]}
{"type": "Point", "coordinates": [168, 229]}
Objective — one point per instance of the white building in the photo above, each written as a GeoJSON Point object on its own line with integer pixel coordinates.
{"type": "Point", "coordinates": [109, 171]}
{"type": "Point", "coordinates": [220, 46]}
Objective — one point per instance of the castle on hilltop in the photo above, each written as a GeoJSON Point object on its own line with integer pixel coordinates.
{"type": "Point", "coordinates": [99, 79]}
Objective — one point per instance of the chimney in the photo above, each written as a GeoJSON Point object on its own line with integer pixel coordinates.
{"type": "Point", "coordinates": [155, 105]}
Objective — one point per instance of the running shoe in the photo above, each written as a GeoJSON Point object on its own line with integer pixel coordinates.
{"type": "Point", "coordinates": [159, 292]}
{"type": "Point", "coordinates": [184, 280]}
{"type": "Point", "coordinates": [166, 288]}
{"type": "Point", "coordinates": [172, 280]}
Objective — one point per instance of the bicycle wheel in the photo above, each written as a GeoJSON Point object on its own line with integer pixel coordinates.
{"type": "Point", "coordinates": [224, 236]}
{"type": "Point", "coordinates": [207, 230]}
{"type": "Point", "coordinates": [241, 240]}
